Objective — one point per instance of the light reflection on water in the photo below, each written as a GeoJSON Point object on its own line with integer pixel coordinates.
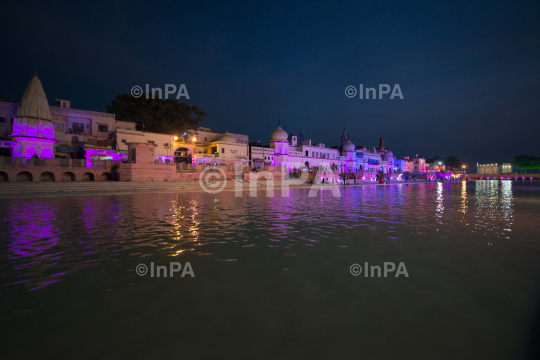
{"type": "Point", "coordinates": [45, 239]}
{"type": "Point", "coordinates": [272, 274]}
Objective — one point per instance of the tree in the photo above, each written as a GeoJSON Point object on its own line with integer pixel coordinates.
{"type": "Point", "coordinates": [450, 161]}
{"type": "Point", "coordinates": [534, 162]}
{"type": "Point", "coordinates": [163, 116]}
{"type": "Point", "coordinates": [524, 162]}
{"type": "Point", "coordinates": [521, 162]}
{"type": "Point", "coordinates": [453, 162]}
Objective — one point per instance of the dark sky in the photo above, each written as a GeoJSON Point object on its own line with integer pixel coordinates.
{"type": "Point", "coordinates": [469, 71]}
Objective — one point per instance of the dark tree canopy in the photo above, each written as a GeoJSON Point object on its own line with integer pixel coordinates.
{"type": "Point", "coordinates": [158, 115]}
{"type": "Point", "coordinates": [453, 162]}
{"type": "Point", "coordinates": [450, 161]}
{"type": "Point", "coordinates": [524, 162]}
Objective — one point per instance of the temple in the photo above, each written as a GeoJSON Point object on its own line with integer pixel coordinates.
{"type": "Point", "coordinates": [33, 130]}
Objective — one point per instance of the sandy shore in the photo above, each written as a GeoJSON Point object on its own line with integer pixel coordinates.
{"type": "Point", "coordinates": [51, 189]}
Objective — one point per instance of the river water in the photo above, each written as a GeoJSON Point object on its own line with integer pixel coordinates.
{"type": "Point", "coordinates": [270, 277]}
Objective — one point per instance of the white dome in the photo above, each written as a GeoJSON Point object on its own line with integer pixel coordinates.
{"type": "Point", "coordinates": [34, 102]}
{"type": "Point", "coordinates": [347, 146]}
{"type": "Point", "coordinates": [388, 153]}
{"type": "Point", "coordinates": [227, 138]}
{"type": "Point", "coordinates": [279, 135]}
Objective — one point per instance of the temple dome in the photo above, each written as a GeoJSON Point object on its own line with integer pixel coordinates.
{"type": "Point", "coordinates": [34, 102]}
{"type": "Point", "coordinates": [388, 153]}
{"type": "Point", "coordinates": [347, 146]}
{"type": "Point", "coordinates": [227, 138]}
{"type": "Point", "coordinates": [279, 135]}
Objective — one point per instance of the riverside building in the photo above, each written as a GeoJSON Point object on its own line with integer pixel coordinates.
{"type": "Point", "coordinates": [31, 128]}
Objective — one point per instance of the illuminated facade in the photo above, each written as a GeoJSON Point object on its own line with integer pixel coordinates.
{"type": "Point", "coordinates": [506, 168]}
{"type": "Point", "coordinates": [488, 169]}
{"type": "Point", "coordinates": [292, 152]}
{"type": "Point", "coordinates": [220, 148]}
{"type": "Point", "coordinates": [33, 129]}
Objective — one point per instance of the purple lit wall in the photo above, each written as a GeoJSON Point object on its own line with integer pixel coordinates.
{"type": "Point", "coordinates": [33, 137]}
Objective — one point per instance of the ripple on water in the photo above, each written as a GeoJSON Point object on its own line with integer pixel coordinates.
{"type": "Point", "coordinates": [46, 239]}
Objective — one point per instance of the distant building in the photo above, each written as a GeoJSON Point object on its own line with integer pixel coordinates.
{"type": "Point", "coordinates": [292, 154]}
{"type": "Point", "coordinates": [489, 169]}
{"type": "Point", "coordinates": [219, 148]}
{"type": "Point", "coordinates": [261, 155]}
{"type": "Point", "coordinates": [504, 168]}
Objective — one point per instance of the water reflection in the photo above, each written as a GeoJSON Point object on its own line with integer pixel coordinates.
{"type": "Point", "coordinates": [464, 201]}
{"type": "Point", "coordinates": [494, 207]}
{"type": "Point", "coordinates": [32, 227]}
{"type": "Point", "coordinates": [440, 201]}
{"type": "Point", "coordinates": [45, 239]}
{"type": "Point", "coordinates": [185, 220]}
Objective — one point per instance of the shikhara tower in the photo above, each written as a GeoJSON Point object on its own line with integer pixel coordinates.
{"type": "Point", "coordinates": [33, 129]}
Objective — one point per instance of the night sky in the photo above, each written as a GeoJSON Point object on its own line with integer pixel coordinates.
{"type": "Point", "coordinates": [469, 72]}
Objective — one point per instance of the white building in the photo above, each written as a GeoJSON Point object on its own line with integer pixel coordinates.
{"type": "Point", "coordinates": [293, 152]}
{"type": "Point", "coordinates": [219, 148]}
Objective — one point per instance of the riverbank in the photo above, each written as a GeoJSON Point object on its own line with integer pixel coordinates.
{"type": "Point", "coordinates": [52, 189]}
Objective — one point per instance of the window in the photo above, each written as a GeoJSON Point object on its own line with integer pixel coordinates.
{"type": "Point", "coordinates": [103, 128]}
{"type": "Point", "coordinates": [123, 140]}
{"type": "Point", "coordinates": [205, 138]}
{"type": "Point", "coordinates": [59, 126]}
{"type": "Point", "coordinates": [223, 150]}
{"type": "Point", "coordinates": [2, 120]}
{"type": "Point", "coordinates": [151, 142]}
{"type": "Point", "coordinates": [307, 154]}
{"type": "Point", "coordinates": [77, 127]}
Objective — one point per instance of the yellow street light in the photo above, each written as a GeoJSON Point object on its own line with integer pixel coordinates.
{"type": "Point", "coordinates": [194, 139]}
{"type": "Point", "coordinates": [175, 138]}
